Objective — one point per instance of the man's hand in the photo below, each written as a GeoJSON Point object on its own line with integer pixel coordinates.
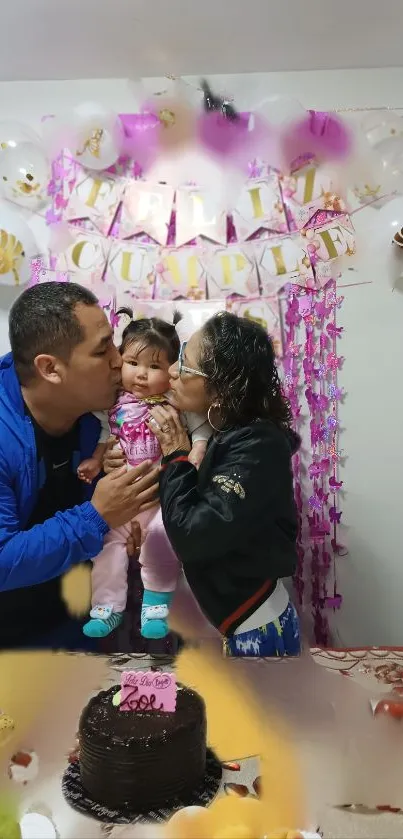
{"type": "Point", "coordinates": [119, 496]}
{"type": "Point", "coordinates": [114, 456]}
{"type": "Point", "coordinates": [135, 539]}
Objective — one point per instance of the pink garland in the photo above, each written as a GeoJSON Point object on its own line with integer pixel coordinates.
{"type": "Point", "coordinates": [311, 318]}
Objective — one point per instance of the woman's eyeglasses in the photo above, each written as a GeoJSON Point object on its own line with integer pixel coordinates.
{"type": "Point", "coordinates": [182, 367]}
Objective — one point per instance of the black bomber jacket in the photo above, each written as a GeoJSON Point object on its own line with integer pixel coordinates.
{"type": "Point", "coordinates": [233, 523]}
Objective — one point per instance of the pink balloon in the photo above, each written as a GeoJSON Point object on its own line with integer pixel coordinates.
{"type": "Point", "coordinates": [141, 138]}
{"type": "Point", "coordinates": [234, 140]}
{"type": "Point", "coordinates": [323, 135]}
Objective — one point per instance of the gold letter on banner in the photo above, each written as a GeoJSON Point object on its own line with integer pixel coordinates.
{"type": "Point", "coordinates": [198, 215]}
{"type": "Point", "coordinates": [198, 220]}
{"type": "Point", "coordinates": [99, 189]}
{"type": "Point", "coordinates": [81, 249]}
{"type": "Point", "coordinates": [306, 182]}
{"type": "Point", "coordinates": [257, 206]}
{"type": "Point", "coordinates": [229, 261]}
{"type": "Point", "coordinates": [176, 270]}
{"type": "Point", "coordinates": [148, 204]}
{"type": "Point", "coordinates": [281, 264]}
{"type": "Point", "coordinates": [330, 241]}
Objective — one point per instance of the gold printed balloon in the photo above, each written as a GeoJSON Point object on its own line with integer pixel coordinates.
{"type": "Point", "coordinates": [97, 136]}
{"type": "Point", "coordinates": [24, 175]}
{"type": "Point", "coordinates": [11, 255]}
{"type": "Point", "coordinates": [17, 246]}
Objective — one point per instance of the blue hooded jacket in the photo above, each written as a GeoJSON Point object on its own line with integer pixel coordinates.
{"type": "Point", "coordinates": [30, 557]}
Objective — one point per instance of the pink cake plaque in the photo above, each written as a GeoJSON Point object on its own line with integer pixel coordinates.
{"type": "Point", "coordinates": [147, 691]}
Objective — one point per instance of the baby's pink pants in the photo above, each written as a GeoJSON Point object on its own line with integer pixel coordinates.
{"type": "Point", "coordinates": [160, 567]}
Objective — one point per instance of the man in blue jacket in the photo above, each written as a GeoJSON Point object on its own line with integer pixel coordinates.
{"type": "Point", "coordinates": [63, 366]}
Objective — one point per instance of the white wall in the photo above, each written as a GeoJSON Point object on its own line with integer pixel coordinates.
{"type": "Point", "coordinates": [371, 577]}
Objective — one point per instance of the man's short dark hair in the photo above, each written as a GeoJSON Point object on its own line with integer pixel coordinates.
{"type": "Point", "coordinates": [43, 320]}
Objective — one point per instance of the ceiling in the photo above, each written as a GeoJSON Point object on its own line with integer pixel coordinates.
{"type": "Point", "coordinates": [50, 39]}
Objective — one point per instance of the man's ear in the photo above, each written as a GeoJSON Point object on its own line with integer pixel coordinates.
{"type": "Point", "coordinates": [49, 368]}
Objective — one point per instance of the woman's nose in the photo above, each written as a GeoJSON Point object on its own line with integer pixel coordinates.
{"type": "Point", "coordinates": [173, 371]}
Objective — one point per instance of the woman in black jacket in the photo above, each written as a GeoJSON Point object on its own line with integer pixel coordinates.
{"type": "Point", "coordinates": [233, 522]}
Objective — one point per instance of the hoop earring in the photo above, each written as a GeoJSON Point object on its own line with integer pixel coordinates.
{"type": "Point", "coordinates": [209, 418]}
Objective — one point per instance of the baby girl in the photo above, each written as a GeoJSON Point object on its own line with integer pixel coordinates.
{"type": "Point", "coordinates": [149, 347]}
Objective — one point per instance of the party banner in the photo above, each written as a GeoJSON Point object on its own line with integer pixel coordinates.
{"type": "Point", "coordinates": [231, 270]}
{"type": "Point", "coordinates": [327, 244]}
{"type": "Point", "coordinates": [87, 254]}
{"type": "Point", "coordinates": [96, 198]}
{"type": "Point", "coordinates": [132, 264]}
{"type": "Point", "coordinates": [180, 273]}
{"type": "Point", "coordinates": [309, 191]}
{"type": "Point", "coordinates": [258, 207]}
{"type": "Point", "coordinates": [283, 260]}
{"type": "Point", "coordinates": [147, 208]}
{"type": "Point", "coordinates": [198, 214]}
{"type": "Point", "coordinates": [264, 311]}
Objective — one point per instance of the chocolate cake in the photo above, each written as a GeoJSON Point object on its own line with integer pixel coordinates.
{"type": "Point", "coordinates": [142, 759]}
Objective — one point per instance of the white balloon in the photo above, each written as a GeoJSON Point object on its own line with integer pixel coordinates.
{"type": "Point", "coordinates": [36, 826]}
{"type": "Point", "coordinates": [17, 247]}
{"type": "Point", "coordinates": [390, 220]}
{"type": "Point", "coordinates": [24, 175]}
{"type": "Point", "coordinates": [13, 133]}
{"type": "Point", "coordinates": [98, 137]}
{"type": "Point", "coordinates": [381, 125]}
{"type": "Point", "coordinates": [280, 111]}
{"type": "Point", "coordinates": [390, 153]}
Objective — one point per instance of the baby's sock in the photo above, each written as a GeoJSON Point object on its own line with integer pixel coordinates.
{"type": "Point", "coordinates": [154, 613]}
{"type": "Point", "coordinates": [103, 621]}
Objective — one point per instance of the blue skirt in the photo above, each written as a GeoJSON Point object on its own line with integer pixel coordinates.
{"type": "Point", "coordinates": [277, 639]}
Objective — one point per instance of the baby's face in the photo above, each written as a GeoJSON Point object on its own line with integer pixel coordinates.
{"type": "Point", "coordinates": [145, 371]}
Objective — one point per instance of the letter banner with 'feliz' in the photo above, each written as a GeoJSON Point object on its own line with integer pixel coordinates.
{"type": "Point", "coordinates": [146, 208]}
{"type": "Point", "coordinates": [96, 199]}
{"type": "Point", "coordinates": [259, 207]}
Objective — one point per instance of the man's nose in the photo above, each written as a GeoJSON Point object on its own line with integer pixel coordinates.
{"type": "Point", "coordinates": [173, 371]}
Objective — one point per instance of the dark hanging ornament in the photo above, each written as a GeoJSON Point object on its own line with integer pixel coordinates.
{"type": "Point", "coordinates": [217, 103]}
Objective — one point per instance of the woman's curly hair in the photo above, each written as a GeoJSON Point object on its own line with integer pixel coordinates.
{"type": "Point", "coordinates": [238, 359]}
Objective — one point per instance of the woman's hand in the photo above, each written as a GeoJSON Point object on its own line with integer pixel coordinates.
{"type": "Point", "coordinates": [166, 424]}
{"type": "Point", "coordinates": [114, 457]}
